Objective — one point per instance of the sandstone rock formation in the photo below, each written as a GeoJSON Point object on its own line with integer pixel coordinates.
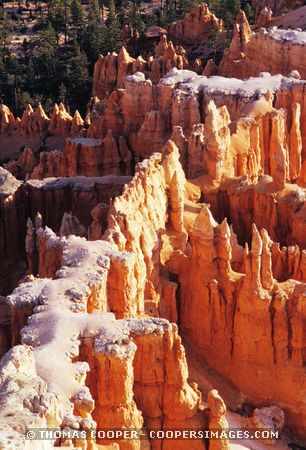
{"type": "Point", "coordinates": [274, 50]}
{"type": "Point", "coordinates": [7, 119]}
{"type": "Point", "coordinates": [184, 99]}
{"type": "Point", "coordinates": [197, 25]}
{"type": "Point", "coordinates": [24, 166]}
{"type": "Point", "coordinates": [85, 279]}
{"type": "Point", "coordinates": [52, 198]}
{"type": "Point", "coordinates": [217, 420]}
{"type": "Point", "coordinates": [242, 34]}
{"type": "Point", "coordinates": [111, 70]}
{"type": "Point", "coordinates": [5, 327]}
{"type": "Point", "coordinates": [264, 17]}
{"type": "Point", "coordinates": [173, 213]}
{"type": "Point", "coordinates": [86, 156]}
{"type": "Point", "coordinates": [269, 418]}
{"type": "Point", "coordinates": [72, 226]}
{"type": "Point", "coordinates": [12, 231]}
{"type": "Point", "coordinates": [259, 305]}
{"type": "Point", "coordinates": [277, 7]}
{"type": "Point", "coordinates": [128, 274]}
{"type": "Point", "coordinates": [239, 132]}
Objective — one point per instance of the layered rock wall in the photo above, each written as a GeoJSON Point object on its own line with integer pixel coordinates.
{"type": "Point", "coordinates": [195, 26]}
{"type": "Point", "coordinates": [222, 255]}
{"type": "Point", "coordinates": [85, 280]}
{"type": "Point", "coordinates": [155, 235]}
{"type": "Point", "coordinates": [51, 198]}
{"type": "Point", "coordinates": [87, 157]}
{"type": "Point", "coordinates": [219, 131]}
{"type": "Point", "coordinates": [246, 325]}
{"type": "Point", "coordinates": [13, 214]}
{"type": "Point", "coordinates": [137, 226]}
{"type": "Point", "coordinates": [5, 327]}
{"type": "Point", "coordinates": [111, 70]}
{"type": "Point", "coordinates": [275, 51]}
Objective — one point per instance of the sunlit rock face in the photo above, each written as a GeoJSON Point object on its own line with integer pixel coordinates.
{"type": "Point", "coordinates": [95, 295]}
{"type": "Point", "coordinates": [153, 256]}
{"type": "Point", "coordinates": [273, 50]}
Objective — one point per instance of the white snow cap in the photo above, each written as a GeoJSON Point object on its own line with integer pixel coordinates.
{"type": "Point", "coordinates": [191, 83]}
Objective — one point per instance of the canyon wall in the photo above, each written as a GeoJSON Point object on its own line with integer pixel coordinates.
{"type": "Point", "coordinates": [164, 254]}
{"type": "Point", "coordinates": [87, 157]}
{"type": "Point", "coordinates": [138, 227]}
{"type": "Point", "coordinates": [116, 267]}
{"type": "Point", "coordinates": [12, 221]}
{"type": "Point", "coordinates": [51, 198]}
{"type": "Point", "coordinates": [251, 128]}
{"type": "Point", "coordinates": [281, 212]}
{"type": "Point", "coordinates": [246, 325]}
{"type": "Point", "coordinates": [219, 129]}
{"type": "Point", "coordinates": [195, 28]}
{"type": "Point", "coordinates": [77, 286]}
{"type": "Point", "coordinates": [273, 50]}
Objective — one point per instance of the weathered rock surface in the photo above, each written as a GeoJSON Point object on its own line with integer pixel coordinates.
{"type": "Point", "coordinates": [226, 126]}
{"type": "Point", "coordinates": [13, 213]}
{"type": "Point", "coordinates": [276, 51]}
{"type": "Point", "coordinates": [82, 284]}
{"type": "Point", "coordinates": [86, 156]}
{"type": "Point", "coordinates": [264, 17]}
{"type": "Point", "coordinates": [277, 7]}
{"type": "Point", "coordinates": [24, 166]}
{"type": "Point", "coordinates": [5, 326]}
{"type": "Point", "coordinates": [261, 346]}
{"type": "Point", "coordinates": [51, 197]}
{"type": "Point", "coordinates": [119, 384]}
{"type": "Point", "coordinates": [28, 404]}
{"type": "Point", "coordinates": [103, 262]}
{"type": "Point", "coordinates": [157, 190]}
{"type": "Point", "coordinates": [217, 420]}
{"type": "Point", "coordinates": [282, 213]}
{"type": "Point", "coordinates": [195, 26]}
{"type": "Point", "coordinates": [111, 70]}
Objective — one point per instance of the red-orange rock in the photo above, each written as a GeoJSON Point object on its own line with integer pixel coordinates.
{"type": "Point", "coordinates": [34, 122]}
{"type": "Point", "coordinates": [85, 156]}
{"type": "Point", "coordinates": [213, 281]}
{"type": "Point", "coordinates": [264, 17]}
{"type": "Point", "coordinates": [24, 166]}
{"type": "Point", "coordinates": [263, 51]}
{"type": "Point", "coordinates": [217, 420]}
{"type": "Point", "coordinates": [279, 165]}
{"type": "Point", "coordinates": [197, 25]}
{"type": "Point", "coordinates": [222, 254]}
{"type": "Point", "coordinates": [277, 7]}
{"type": "Point", "coordinates": [7, 119]}
{"type": "Point", "coordinates": [110, 71]}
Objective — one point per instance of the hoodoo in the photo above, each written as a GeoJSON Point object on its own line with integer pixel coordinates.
{"type": "Point", "coordinates": [152, 236]}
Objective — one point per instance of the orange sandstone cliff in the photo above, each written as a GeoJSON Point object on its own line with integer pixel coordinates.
{"type": "Point", "coordinates": [153, 255]}
{"type": "Point", "coordinates": [155, 236]}
{"type": "Point", "coordinates": [273, 50]}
